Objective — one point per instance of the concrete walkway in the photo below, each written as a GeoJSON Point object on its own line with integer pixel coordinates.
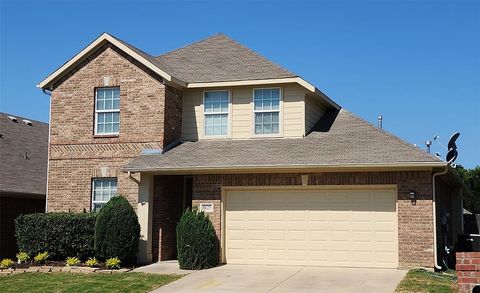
{"type": "Point", "coordinates": [168, 267]}
{"type": "Point", "coordinates": [246, 278]}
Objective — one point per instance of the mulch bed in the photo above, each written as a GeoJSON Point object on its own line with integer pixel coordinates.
{"type": "Point", "coordinates": [59, 266]}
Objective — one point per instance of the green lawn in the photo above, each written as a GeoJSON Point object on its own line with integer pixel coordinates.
{"type": "Point", "coordinates": [70, 282]}
{"type": "Point", "coordinates": [423, 281]}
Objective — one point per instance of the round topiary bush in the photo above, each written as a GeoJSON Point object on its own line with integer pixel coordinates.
{"type": "Point", "coordinates": [117, 231]}
{"type": "Point", "coordinates": [197, 242]}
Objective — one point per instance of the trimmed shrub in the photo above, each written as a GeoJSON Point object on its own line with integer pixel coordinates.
{"type": "Point", "coordinates": [117, 231]}
{"type": "Point", "coordinates": [61, 234]}
{"type": "Point", "coordinates": [197, 242]}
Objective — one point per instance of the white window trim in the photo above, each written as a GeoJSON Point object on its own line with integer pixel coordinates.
{"type": "Point", "coordinates": [280, 114]}
{"type": "Point", "coordinates": [105, 111]}
{"type": "Point", "coordinates": [93, 191]}
{"type": "Point", "coordinates": [229, 115]}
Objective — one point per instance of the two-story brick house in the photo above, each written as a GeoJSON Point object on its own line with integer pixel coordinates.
{"type": "Point", "coordinates": [286, 175]}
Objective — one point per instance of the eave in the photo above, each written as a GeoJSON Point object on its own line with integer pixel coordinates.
{"type": "Point", "coordinates": [48, 82]}
{"type": "Point", "coordinates": [371, 167]}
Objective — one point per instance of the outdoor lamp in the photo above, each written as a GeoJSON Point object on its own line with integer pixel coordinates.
{"type": "Point", "coordinates": [412, 195]}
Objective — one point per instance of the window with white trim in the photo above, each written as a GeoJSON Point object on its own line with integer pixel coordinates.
{"type": "Point", "coordinates": [266, 109]}
{"type": "Point", "coordinates": [107, 110]}
{"type": "Point", "coordinates": [215, 109]}
{"type": "Point", "coordinates": [103, 189]}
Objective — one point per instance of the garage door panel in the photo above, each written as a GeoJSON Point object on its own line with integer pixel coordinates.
{"type": "Point", "coordinates": [311, 227]}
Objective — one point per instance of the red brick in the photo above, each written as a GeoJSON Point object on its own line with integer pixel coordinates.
{"type": "Point", "coordinates": [415, 222]}
{"type": "Point", "coordinates": [462, 267]}
{"type": "Point", "coordinates": [76, 155]}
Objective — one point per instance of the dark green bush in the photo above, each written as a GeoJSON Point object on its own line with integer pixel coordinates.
{"type": "Point", "coordinates": [117, 231]}
{"type": "Point", "coordinates": [197, 242]}
{"type": "Point", "coordinates": [60, 234]}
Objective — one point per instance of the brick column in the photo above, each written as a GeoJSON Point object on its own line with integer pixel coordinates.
{"type": "Point", "coordinates": [468, 270]}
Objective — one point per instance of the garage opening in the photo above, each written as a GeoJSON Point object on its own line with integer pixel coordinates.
{"type": "Point", "coordinates": [351, 227]}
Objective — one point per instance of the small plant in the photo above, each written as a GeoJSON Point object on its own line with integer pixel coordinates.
{"type": "Point", "coordinates": [72, 261]}
{"type": "Point", "coordinates": [113, 263]}
{"type": "Point", "coordinates": [41, 257]}
{"type": "Point", "coordinates": [22, 256]}
{"type": "Point", "coordinates": [6, 263]}
{"type": "Point", "coordinates": [91, 262]}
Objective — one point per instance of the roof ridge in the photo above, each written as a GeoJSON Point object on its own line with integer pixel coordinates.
{"type": "Point", "coordinates": [172, 71]}
{"type": "Point", "coordinates": [191, 44]}
{"type": "Point", "coordinates": [22, 117]}
{"type": "Point", "coordinates": [383, 131]}
{"type": "Point", "coordinates": [260, 55]}
{"type": "Point", "coordinates": [220, 34]}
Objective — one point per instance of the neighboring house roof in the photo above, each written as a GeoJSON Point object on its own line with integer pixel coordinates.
{"type": "Point", "coordinates": [341, 139]}
{"type": "Point", "coordinates": [23, 156]}
{"type": "Point", "coordinates": [219, 58]}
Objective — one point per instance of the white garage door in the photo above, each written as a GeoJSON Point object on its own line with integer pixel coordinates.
{"type": "Point", "coordinates": [352, 227]}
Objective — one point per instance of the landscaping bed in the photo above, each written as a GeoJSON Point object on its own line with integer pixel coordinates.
{"type": "Point", "coordinates": [71, 282]}
{"type": "Point", "coordinates": [56, 264]}
{"type": "Point", "coordinates": [421, 280]}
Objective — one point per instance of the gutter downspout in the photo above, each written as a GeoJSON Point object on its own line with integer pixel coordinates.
{"type": "Point", "coordinates": [130, 175]}
{"type": "Point", "coordinates": [435, 253]}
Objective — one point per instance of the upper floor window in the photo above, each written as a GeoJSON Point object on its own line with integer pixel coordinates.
{"type": "Point", "coordinates": [103, 189]}
{"type": "Point", "coordinates": [266, 109]}
{"type": "Point", "coordinates": [216, 112]}
{"type": "Point", "coordinates": [107, 110]}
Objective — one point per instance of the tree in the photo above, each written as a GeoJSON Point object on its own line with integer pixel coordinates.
{"type": "Point", "coordinates": [471, 178]}
{"type": "Point", "coordinates": [117, 231]}
{"type": "Point", "coordinates": [197, 242]}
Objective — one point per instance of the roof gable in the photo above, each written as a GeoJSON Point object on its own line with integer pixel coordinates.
{"type": "Point", "coordinates": [219, 58]}
{"type": "Point", "coordinates": [142, 57]}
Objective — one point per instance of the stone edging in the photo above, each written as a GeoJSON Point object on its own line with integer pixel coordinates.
{"type": "Point", "coordinates": [54, 269]}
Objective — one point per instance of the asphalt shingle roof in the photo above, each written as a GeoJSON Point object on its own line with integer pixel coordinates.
{"type": "Point", "coordinates": [219, 58]}
{"type": "Point", "coordinates": [23, 156]}
{"type": "Point", "coordinates": [339, 138]}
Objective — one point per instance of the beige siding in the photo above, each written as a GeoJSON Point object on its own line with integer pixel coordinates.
{"type": "Point", "coordinates": [293, 111]}
{"type": "Point", "coordinates": [241, 112]}
{"type": "Point", "coordinates": [192, 114]}
{"type": "Point", "coordinates": [313, 111]}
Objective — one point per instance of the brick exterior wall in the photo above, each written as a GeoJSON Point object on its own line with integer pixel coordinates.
{"type": "Point", "coordinates": [415, 221]}
{"type": "Point", "coordinates": [468, 271]}
{"type": "Point", "coordinates": [76, 155]}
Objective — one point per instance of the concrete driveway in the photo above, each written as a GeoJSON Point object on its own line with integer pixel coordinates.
{"type": "Point", "coordinates": [246, 278]}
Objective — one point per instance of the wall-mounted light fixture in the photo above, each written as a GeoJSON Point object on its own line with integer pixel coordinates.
{"type": "Point", "coordinates": [412, 195]}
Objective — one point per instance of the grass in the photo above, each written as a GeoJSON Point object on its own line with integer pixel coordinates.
{"type": "Point", "coordinates": [423, 281]}
{"type": "Point", "coordinates": [70, 282]}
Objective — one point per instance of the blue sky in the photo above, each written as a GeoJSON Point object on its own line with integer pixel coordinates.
{"type": "Point", "coordinates": [415, 62]}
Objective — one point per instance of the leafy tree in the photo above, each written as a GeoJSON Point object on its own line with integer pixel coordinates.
{"type": "Point", "coordinates": [471, 178]}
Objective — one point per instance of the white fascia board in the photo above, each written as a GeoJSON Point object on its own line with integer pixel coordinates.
{"type": "Point", "coordinates": [97, 43]}
{"type": "Point", "coordinates": [298, 80]}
